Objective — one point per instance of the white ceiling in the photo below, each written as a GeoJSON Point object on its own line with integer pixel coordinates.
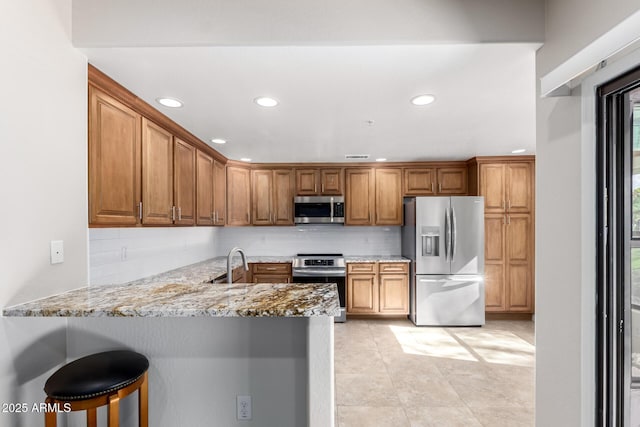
{"type": "Point", "coordinates": [485, 98]}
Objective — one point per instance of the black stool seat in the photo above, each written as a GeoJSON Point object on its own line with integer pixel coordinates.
{"type": "Point", "coordinates": [96, 375]}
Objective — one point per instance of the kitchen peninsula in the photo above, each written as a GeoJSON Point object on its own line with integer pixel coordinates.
{"type": "Point", "coordinates": [211, 342]}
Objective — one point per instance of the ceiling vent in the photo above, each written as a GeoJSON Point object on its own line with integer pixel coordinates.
{"type": "Point", "coordinates": [356, 156]}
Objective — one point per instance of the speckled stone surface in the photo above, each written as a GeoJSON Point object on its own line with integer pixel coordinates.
{"type": "Point", "coordinates": [188, 300]}
{"type": "Point", "coordinates": [375, 258]}
{"type": "Point", "coordinates": [270, 259]}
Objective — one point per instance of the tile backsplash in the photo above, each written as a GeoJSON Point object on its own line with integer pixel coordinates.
{"type": "Point", "coordinates": [119, 255]}
{"type": "Point", "coordinates": [287, 241]}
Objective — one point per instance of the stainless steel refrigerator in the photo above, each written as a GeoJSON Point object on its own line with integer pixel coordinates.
{"type": "Point", "coordinates": [444, 238]}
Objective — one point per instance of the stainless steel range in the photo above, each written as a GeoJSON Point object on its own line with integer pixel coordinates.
{"type": "Point", "coordinates": [323, 268]}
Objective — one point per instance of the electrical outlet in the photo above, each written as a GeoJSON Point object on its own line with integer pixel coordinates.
{"type": "Point", "coordinates": [243, 407]}
{"type": "Point", "coordinates": [123, 253]}
{"type": "Point", "coordinates": [57, 251]}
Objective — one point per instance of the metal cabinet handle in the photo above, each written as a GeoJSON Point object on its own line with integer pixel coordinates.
{"type": "Point", "coordinates": [173, 213]}
{"type": "Point", "coordinates": [140, 210]}
{"type": "Point", "coordinates": [439, 187]}
{"type": "Point", "coordinates": [179, 213]}
{"type": "Point", "coordinates": [322, 187]}
{"type": "Point", "coordinates": [503, 205]}
{"type": "Point", "coordinates": [433, 190]}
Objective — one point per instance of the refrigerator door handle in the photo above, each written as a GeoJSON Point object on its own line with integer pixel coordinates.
{"type": "Point", "coordinates": [447, 234]}
{"type": "Point", "coordinates": [454, 230]}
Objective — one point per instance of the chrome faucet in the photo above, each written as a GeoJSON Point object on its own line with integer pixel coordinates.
{"type": "Point", "coordinates": [229, 257]}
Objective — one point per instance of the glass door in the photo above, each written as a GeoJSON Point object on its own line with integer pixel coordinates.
{"type": "Point", "coordinates": [618, 264]}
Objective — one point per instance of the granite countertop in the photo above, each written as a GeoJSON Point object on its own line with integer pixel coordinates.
{"type": "Point", "coordinates": [375, 258]}
{"type": "Point", "coordinates": [188, 292]}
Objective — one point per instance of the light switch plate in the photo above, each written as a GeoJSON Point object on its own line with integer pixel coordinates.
{"type": "Point", "coordinates": [57, 251]}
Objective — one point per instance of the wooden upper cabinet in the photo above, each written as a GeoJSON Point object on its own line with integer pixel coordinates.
{"type": "Point", "coordinates": [272, 197]}
{"type": "Point", "coordinates": [157, 174]}
{"type": "Point", "coordinates": [282, 197]}
{"type": "Point", "coordinates": [219, 193]}
{"type": "Point", "coordinates": [114, 161]}
{"type": "Point", "coordinates": [492, 187]}
{"type": "Point", "coordinates": [184, 182]}
{"type": "Point", "coordinates": [261, 182]}
{"type": "Point", "coordinates": [452, 180]}
{"type": "Point", "coordinates": [388, 184]}
{"type": "Point", "coordinates": [314, 182]}
{"type": "Point", "coordinates": [419, 181]}
{"type": "Point", "coordinates": [204, 189]}
{"type": "Point", "coordinates": [306, 182]}
{"type": "Point", "coordinates": [331, 182]}
{"type": "Point", "coordinates": [360, 196]}
{"type": "Point", "coordinates": [507, 187]}
{"type": "Point", "coordinates": [238, 195]}
{"type": "Point", "coordinates": [519, 179]}
{"type": "Point", "coordinates": [435, 181]}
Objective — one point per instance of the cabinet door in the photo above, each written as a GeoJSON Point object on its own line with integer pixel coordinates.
{"type": "Point", "coordinates": [282, 197]}
{"type": "Point", "coordinates": [184, 182]}
{"type": "Point", "coordinates": [388, 197]}
{"type": "Point", "coordinates": [331, 182]}
{"type": "Point", "coordinates": [452, 180]}
{"type": "Point", "coordinates": [492, 187]}
{"type": "Point", "coordinates": [494, 262]}
{"type": "Point", "coordinates": [362, 294]}
{"type": "Point", "coordinates": [204, 189]}
{"type": "Point", "coordinates": [271, 278]}
{"type": "Point", "coordinates": [359, 198]}
{"type": "Point", "coordinates": [306, 182]}
{"type": "Point", "coordinates": [262, 183]}
{"type": "Point", "coordinates": [157, 174]}
{"type": "Point", "coordinates": [238, 196]}
{"type": "Point", "coordinates": [114, 162]}
{"type": "Point", "coordinates": [519, 262]}
{"type": "Point", "coordinates": [219, 193]}
{"type": "Point", "coordinates": [419, 181]}
{"type": "Point", "coordinates": [519, 187]}
{"type": "Point", "coordinates": [394, 293]}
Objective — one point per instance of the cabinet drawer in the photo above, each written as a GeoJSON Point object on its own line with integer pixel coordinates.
{"type": "Point", "coordinates": [394, 267]}
{"type": "Point", "coordinates": [271, 268]}
{"type": "Point", "coordinates": [361, 267]}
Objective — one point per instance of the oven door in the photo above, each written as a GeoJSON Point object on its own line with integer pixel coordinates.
{"type": "Point", "coordinates": [340, 281]}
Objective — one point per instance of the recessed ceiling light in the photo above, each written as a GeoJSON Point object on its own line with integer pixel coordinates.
{"type": "Point", "coordinates": [218, 141]}
{"type": "Point", "coordinates": [245, 159]}
{"type": "Point", "coordinates": [170, 102]}
{"type": "Point", "coordinates": [265, 101]}
{"type": "Point", "coordinates": [518, 151]}
{"type": "Point", "coordinates": [381, 159]}
{"type": "Point", "coordinates": [423, 99]}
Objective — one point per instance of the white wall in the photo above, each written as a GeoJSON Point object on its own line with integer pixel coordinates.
{"type": "Point", "coordinates": [571, 25]}
{"type": "Point", "coordinates": [565, 206]}
{"type": "Point", "coordinates": [43, 147]}
{"type": "Point", "coordinates": [199, 365]}
{"type": "Point", "coordinates": [305, 22]}
{"type": "Point", "coordinates": [120, 255]}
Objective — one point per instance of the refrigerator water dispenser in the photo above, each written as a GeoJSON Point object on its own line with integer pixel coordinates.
{"type": "Point", "coordinates": [430, 241]}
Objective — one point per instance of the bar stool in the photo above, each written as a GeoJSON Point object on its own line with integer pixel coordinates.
{"type": "Point", "coordinates": [97, 380]}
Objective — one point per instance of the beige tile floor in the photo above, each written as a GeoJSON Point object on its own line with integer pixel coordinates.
{"type": "Point", "coordinates": [391, 373]}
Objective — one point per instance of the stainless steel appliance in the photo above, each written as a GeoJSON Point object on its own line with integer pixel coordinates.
{"type": "Point", "coordinates": [323, 268]}
{"type": "Point", "coordinates": [444, 238]}
{"type": "Point", "coordinates": [319, 210]}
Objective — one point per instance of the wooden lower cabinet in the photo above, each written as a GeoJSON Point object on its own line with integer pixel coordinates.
{"type": "Point", "coordinates": [270, 272]}
{"type": "Point", "coordinates": [508, 263]}
{"type": "Point", "coordinates": [378, 288]}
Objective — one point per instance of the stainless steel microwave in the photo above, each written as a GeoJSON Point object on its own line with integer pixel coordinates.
{"type": "Point", "coordinates": [319, 210]}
